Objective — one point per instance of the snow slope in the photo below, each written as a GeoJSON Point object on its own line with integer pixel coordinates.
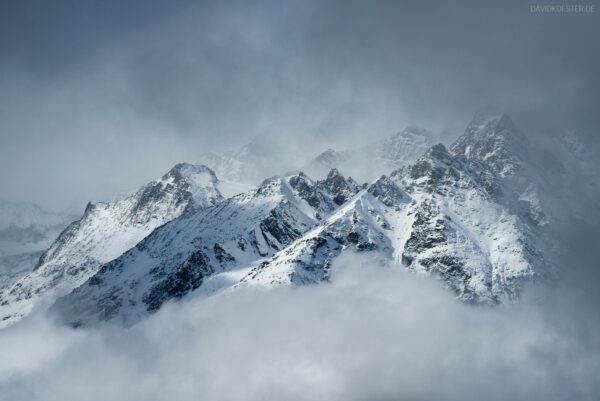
{"type": "Point", "coordinates": [104, 232]}
{"type": "Point", "coordinates": [177, 257]}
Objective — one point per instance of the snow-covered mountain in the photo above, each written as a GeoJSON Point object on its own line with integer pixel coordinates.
{"type": "Point", "coordinates": [485, 216]}
{"type": "Point", "coordinates": [179, 256]}
{"type": "Point", "coordinates": [481, 216]}
{"type": "Point", "coordinates": [105, 231]}
{"type": "Point", "coordinates": [434, 217]}
{"type": "Point", "coordinates": [457, 215]}
{"type": "Point", "coordinates": [369, 162]}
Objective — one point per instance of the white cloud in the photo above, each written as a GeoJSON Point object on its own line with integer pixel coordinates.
{"type": "Point", "coordinates": [373, 333]}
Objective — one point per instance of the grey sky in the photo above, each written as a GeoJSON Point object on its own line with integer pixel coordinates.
{"type": "Point", "coordinates": [97, 97]}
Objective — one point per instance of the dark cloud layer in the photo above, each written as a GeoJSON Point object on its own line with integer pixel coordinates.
{"type": "Point", "coordinates": [98, 97]}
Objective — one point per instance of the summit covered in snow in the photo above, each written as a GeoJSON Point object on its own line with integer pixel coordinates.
{"type": "Point", "coordinates": [104, 232]}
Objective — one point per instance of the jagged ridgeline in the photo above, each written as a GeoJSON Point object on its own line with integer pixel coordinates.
{"type": "Point", "coordinates": [106, 231]}
{"type": "Point", "coordinates": [477, 216]}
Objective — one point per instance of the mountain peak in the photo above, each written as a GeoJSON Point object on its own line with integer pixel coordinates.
{"type": "Point", "coordinates": [270, 186]}
{"type": "Point", "coordinates": [485, 116]}
{"type": "Point", "coordinates": [403, 145]}
{"type": "Point", "coordinates": [437, 150]}
{"type": "Point", "coordinates": [436, 167]}
{"type": "Point", "coordinates": [493, 140]}
{"type": "Point", "coordinates": [329, 157]}
{"type": "Point", "coordinates": [437, 154]}
{"type": "Point", "coordinates": [191, 172]}
{"type": "Point", "coordinates": [328, 151]}
{"type": "Point", "coordinates": [106, 230]}
{"type": "Point", "coordinates": [334, 173]}
{"type": "Point", "coordinates": [415, 129]}
{"type": "Point", "coordinates": [487, 124]}
{"type": "Point", "coordinates": [341, 188]}
{"type": "Point", "coordinates": [196, 179]}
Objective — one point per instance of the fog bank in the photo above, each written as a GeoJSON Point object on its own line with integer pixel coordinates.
{"type": "Point", "coordinates": [372, 333]}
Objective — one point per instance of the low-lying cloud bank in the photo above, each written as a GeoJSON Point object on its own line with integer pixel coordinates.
{"type": "Point", "coordinates": [374, 333]}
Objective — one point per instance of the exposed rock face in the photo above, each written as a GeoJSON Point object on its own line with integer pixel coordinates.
{"type": "Point", "coordinates": [358, 226]}
{"type": "Point", "coordinates": [340, 188]}
{"type": "Point", "coordinates": [324, 196]}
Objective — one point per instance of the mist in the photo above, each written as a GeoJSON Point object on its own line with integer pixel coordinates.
{"type": "Point", "coordinates": [97, 98]}
{"type": "Point", "coordinates": [373, 332]}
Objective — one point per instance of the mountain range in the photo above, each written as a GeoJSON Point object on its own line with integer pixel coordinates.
{"type": "Point", "coordinates": [483, 216]}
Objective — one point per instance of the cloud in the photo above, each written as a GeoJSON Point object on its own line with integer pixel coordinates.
{"type": "Point", "coordinates": [374, 332]}
{"type": "Point", "coordinates": [99, 98]}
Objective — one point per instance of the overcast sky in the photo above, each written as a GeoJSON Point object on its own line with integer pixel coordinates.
{"type": "Point", "coordinates": [98, 97]}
